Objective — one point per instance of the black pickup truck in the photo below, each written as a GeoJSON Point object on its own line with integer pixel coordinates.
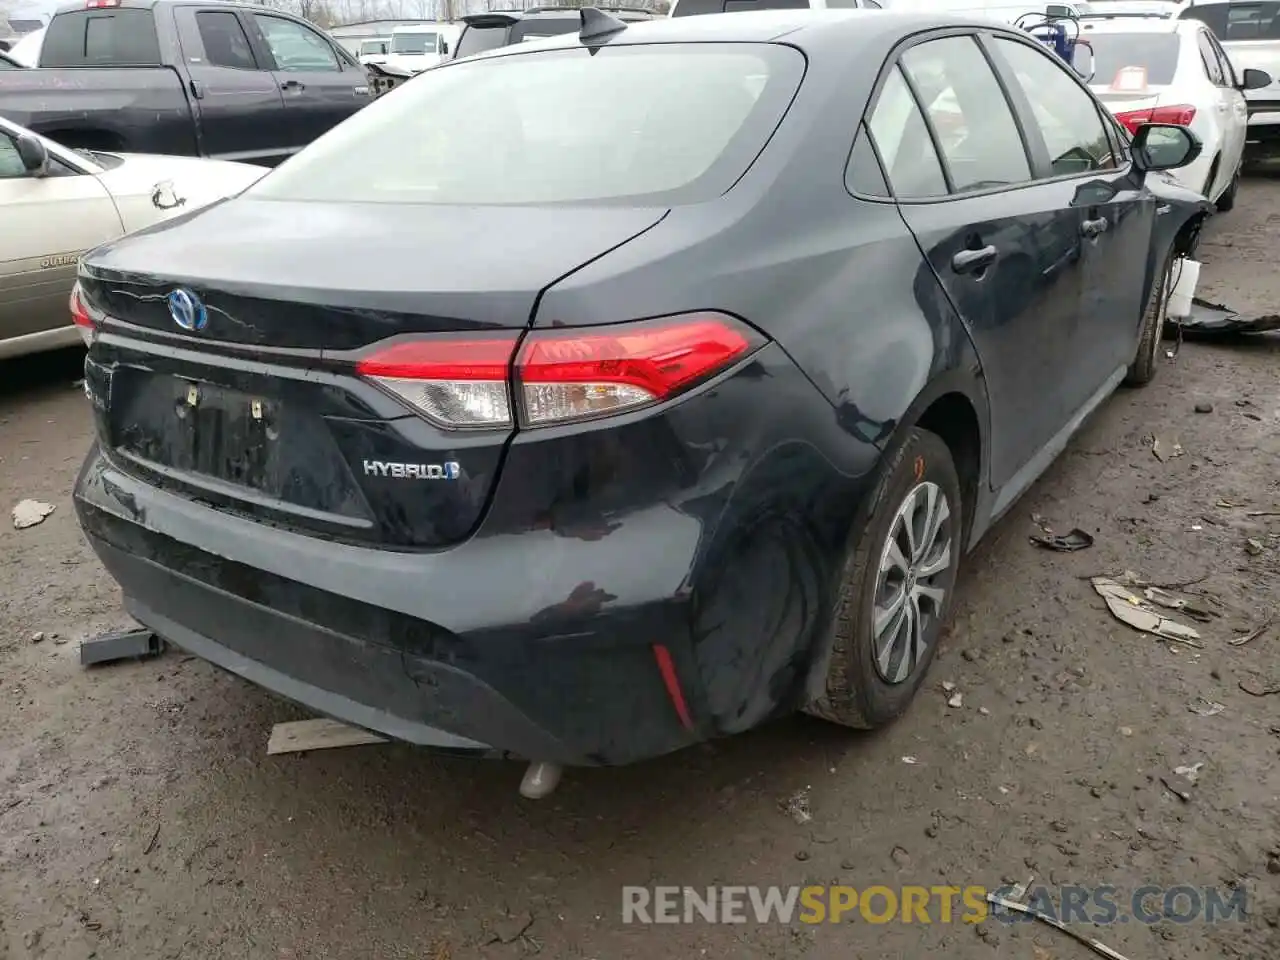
{"type": "Point", "coordinates": [228, 80]}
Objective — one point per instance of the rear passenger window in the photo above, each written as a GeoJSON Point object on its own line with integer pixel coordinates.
{"type": "Point", "coordinates": [973, 122]}
{"type": "Point", "coordinates": [863, 174]}
{"type": "Point", "coordinates": [903, 141]}
{"type": "Point", "coordinates": [1066, 115]}
{"type": "Point", "coordinates": [224, 40]}
{"type": "Point", "coordinates": [1212, 68]}
{"type": "Point", "coordinates": [101, 38]}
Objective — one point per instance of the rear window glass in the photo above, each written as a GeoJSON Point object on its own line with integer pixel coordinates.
{"type": "Point", "coordinates": [556, 126]}
{"type": "Point", "coordinates": [539, 28]}
{"type": "Point", "coordinates": [1157, 53]}
{"type": "Point", "coordinates": [98, 38]}
{"type": "Point", "coordinates": [688, 8]}
{"type": "Point", "coordinates": [1238, 21]}
{"type": "Point", "coordinates": [479, 39]}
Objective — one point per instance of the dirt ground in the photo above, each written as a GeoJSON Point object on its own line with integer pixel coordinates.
{"type": "Point", "coordinates": [140, 817]}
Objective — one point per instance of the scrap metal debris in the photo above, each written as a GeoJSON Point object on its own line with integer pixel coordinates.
{"type": "Point", "coordinates": [1077, 539]}
{"type": "Point", "coordinates": [124, 645]}
{"type": "Point", "coordinates": [1165, 598]}
{"type": "Point", "coordinates": [1164, 452]}
{"type": "Point", "coordinates": [1205, 708]}
{"type": "Point", "coordinates": [1255, 633]}
{"type": "Point", "coordinates": [30, 512]}
{"type": "Point", "coordinates": [797, 806]}
{"type": "Point", "coordinates": [1101, 949]}
{"type": "Point", "coordinates": [1129, 608]}
{"type": "Point", "coordinates": [1208, 320]}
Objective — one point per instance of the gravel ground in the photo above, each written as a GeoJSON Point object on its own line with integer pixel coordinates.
{"type": "Point", "coordinates": [140, 818]}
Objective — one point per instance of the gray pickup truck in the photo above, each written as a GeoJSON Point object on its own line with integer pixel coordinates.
{"type": "Point", "coordinates": [229, 80]}
{"type": "Point", "coordinates": [1249, 31]}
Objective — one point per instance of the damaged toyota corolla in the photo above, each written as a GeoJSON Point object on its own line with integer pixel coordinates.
{"type": "Point", "coordinates": [593, 397]}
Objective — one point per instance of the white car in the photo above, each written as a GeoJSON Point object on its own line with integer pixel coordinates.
{"type": "Point", "coordinates": [1154, 70]}
{"type": "Point", "coordinates": [60, 203]}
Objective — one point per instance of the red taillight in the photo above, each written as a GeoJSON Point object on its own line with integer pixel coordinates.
{"type": "Point", "coordinates": [1180, 114]}
{"type": "Point", "coordinates": [561, 374]}
{"type": "Point", "coordinates": [81, 316]}
{"type": "Point", "coordinates": [566, 374]}
{"type": "Point", "coordinates": [455, 382]}
{"type": "Point", "coordinates": [100, 4]}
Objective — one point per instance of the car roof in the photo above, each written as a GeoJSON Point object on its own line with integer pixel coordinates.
{"type": "Point", "coordinates": [806, 29]}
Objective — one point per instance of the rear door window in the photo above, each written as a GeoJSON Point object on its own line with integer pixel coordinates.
{"type": "Point", "coordinates": [224, 40]}
{"type": "Point", "coordinates": [101, 38]}
{"type": "Point", "coordinates": [902, 139]}
{"type": "Point", "coordinates": [974, 124]}
{"type": "Point", "coordinates": [557, 126]}
{"type": "Point", "coordinates": [1238, 21]}
{"type": "Point", "coordinates": [1208, 57]}
{"type": "Point", "coordinates": [1066, 115]}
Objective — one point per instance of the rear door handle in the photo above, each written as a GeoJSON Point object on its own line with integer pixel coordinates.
{"type": "Point", "coordinates": [292, 85]}
{"type": "Point", "coordinates": [1092, 228]}
{"type": "Point", "coordinates": [974, 261]}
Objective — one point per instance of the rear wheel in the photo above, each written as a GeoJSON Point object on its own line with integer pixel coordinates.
{"type": "Point", "coordinates": [1143, 369]}
{"type": "Point", "coordinates": [897, 588]}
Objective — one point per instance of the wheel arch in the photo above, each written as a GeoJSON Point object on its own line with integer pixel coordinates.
{"type": "Point", "coordinates": [954, 406]}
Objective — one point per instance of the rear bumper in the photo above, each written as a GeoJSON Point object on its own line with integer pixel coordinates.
{"type": "Point", "coordinates": [468, 668]}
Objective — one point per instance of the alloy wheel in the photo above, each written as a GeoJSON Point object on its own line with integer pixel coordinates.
{"type": "Point", "coordinates": [910, 591]}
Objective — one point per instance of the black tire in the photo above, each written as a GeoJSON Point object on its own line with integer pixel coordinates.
{"type": "Point", "coordinates": [1228, 198]}
{"type": "Point", "coordinates": [857, 695]}
{"type": "Point", "coordinates": [1147, 360]}
{"type": "Point", "coordinates": [1213, 175]}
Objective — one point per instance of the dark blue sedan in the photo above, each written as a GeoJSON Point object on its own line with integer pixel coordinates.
{"type": "Point", "coordinates": [601, 395]}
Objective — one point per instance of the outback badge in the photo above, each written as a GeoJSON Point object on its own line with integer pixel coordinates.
{"type": "Point", "coordinates": [449, 470]}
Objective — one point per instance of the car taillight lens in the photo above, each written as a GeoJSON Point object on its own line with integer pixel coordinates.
{"type": "Point", "coordinates": [1180, 114]}
{"type": "Point", "coordinates": [455, 382]}
{"type": "Point", "coordinates": [81, 315]}
{"type": "Point", "coordinates": [565, 374]}
{"type": "Point", "coordinates": [561, 374]}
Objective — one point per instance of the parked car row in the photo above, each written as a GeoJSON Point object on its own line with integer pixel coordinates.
{"type": "Point", "coordinates": [705, 445]}
{"type": "Point", "coordinates": [229, 81]}
{"type": "Point", "coordinates": [58, 203]}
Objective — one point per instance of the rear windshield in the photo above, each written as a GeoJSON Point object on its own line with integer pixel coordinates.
{"type": "Point", "coordinates": [556, 126]}
{"type": "Point", "coordinates": [370, 47]}
{"type": "Point", "coordinates": [1238, 21]}
{"type": "Point", "coordinates": [413, 43]}
{"type": "Point", "coordinates": [1157, 53]}
{"type": "Point", "coordinates": [479, 39]}
{"type": "Point", "coordinates": [101, 38]}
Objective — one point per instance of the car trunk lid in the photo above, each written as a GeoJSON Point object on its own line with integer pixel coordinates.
{"type": "Point", "coordinates": [256, 402]}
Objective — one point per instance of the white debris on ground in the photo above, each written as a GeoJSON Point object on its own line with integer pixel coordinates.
{"type": "Point", "coordinates": [30, 512]}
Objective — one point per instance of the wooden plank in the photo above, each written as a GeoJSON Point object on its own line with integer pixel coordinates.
{"type": "Point", "coordinates": [319, 734]}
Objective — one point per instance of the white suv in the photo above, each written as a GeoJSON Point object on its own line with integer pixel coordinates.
{"type": "Point", "coordinates": [689, 8]}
